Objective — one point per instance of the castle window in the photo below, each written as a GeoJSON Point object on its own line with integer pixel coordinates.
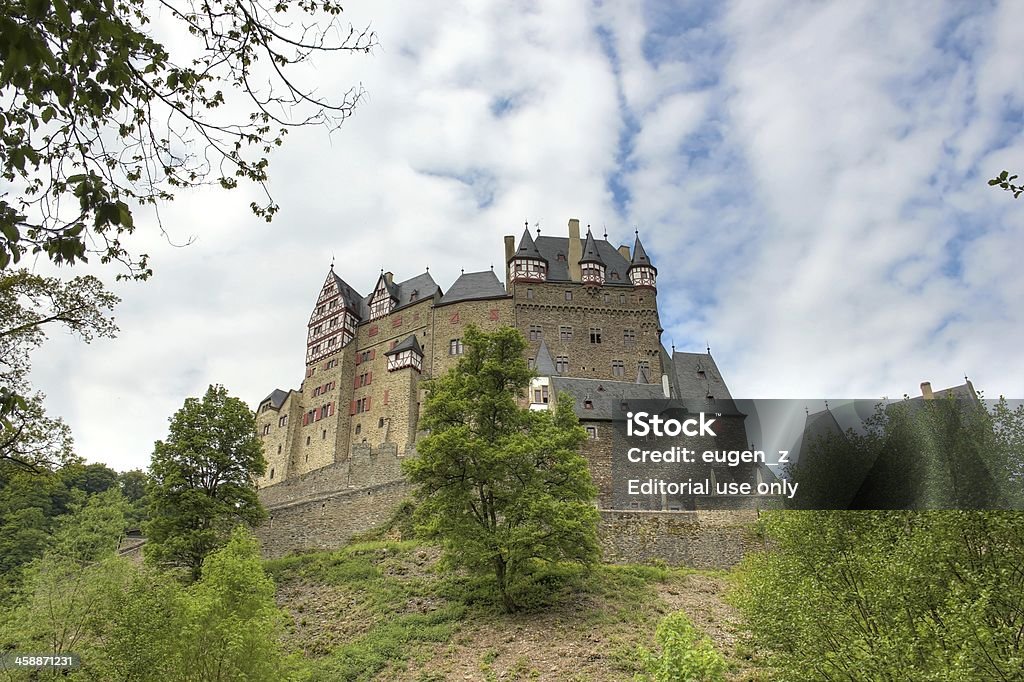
{"type": "Point", "coordinates": [588, 404]}
{"type": "Point", "coordinates": [380, 423]}
{"type": "Point", "coordinates": [266, 429]}
{"type": "Point", "coordinates": [607, 297]}
{"type": "Point", "coordinates": [319, 310]}
{"type": "Point", "coordinates": [359, 427]}
{"type": "Point", "coordinates": [308, 440]}
{"type": "Point", "coordinates": [595, 335]}
{"type": "Point", "coordinates": [531, 363]}
{"type": "Point", "coordinates": [592, 432]}
{"type": "Point", "coordinates": [331, 341]}
{"type": "Point", "coordinates": [645, 366]}
{"type": "Point", "coordinates": [618, 368]}
{"type": "Point", "coordinates": [562, 364]}
{"type": "Point", "coordinates": [324, 436]}
{"type": "Point", "coordinates": [373, 331]}
{"type": "Point", "coordinates": [271, 473]}
{"type": "Point", "coordinates": [455, 347]}
{"type": "Point", "coordinates": [281, 421]}
{"type": "Point", "coordinates": [414, 295]}
{"type": "Point", "coordinates": [540, 395]}
{"type": "Point", "coordinates": [565, 333]}
{"type": "Point", "coordinates": [560, 258]}
{"type": "Point", "coordinates": [568, 295]}
{"type": "Point", "coordinates": [317, 329]}
{"type": "Point", "coordinates": [536, 332]}
{"type": "Point", "coordinates": [529, 293]}
{"type": "Point", "coordinates": [629, 337]}
{"type": "Point", "coordinates": [615, 275]}
{"type": "Point", "coordinates": [700, 373]}
{"type": "Point", "coordinates": [622, 298]}
{"type": "Point", "coordinates": [279, 449]}
{"type": "Point", "coordinates": [623, 406]}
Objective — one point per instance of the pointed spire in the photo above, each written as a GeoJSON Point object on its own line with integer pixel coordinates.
{"type": "Point", "coordinates": [639, 254]}
{"type": "Point", "coordinates": [527, 247]}
{"type": "Point", "coordinates": [590, 253]}
{"type": "Point", "coordinates": [545, 365]}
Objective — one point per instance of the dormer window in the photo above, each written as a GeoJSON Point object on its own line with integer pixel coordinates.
{"type": "Point", "coordinates": [381, 302]}
{"type": "Point", "coordinates": [592, 273]}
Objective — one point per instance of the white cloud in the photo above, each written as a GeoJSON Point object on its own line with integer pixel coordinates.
{"type": "Point", "coordinates": [809, 178]}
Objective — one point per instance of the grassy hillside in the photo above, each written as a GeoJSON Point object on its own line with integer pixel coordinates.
{"type": "Point", "coordinates": [387, 611]}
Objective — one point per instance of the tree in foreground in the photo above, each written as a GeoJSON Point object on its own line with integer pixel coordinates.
{"type": "Point", "coordinates": [100, 117]}
{"type": "Point", "coordinates": [29, 305]}
{"type": "Point", "coordinates": [501, 486]}
{"type": "Point", "coordinates": [202, 477]}
{"type": "Point", "coordinates": [886, 595]}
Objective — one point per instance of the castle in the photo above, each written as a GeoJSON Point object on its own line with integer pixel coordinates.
{"type": "Point", "coordinates": [589, 313]}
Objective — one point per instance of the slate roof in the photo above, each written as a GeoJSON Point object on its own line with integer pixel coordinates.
{"type": "Point", "coordinates": [590, 253]}
{"type": "Point", "coordinates": [351, 298]}
{"type": "Point", "coordinates": [410, 343]}
{"type": "Point", "coordinates": [544, 365]}
{"type": "Point", "coordinates": [276, 398]}
{"type": "Point", "coordinates": [690, 384]}
{"type": "Point", "coordinates": [474, 286]}
{"type": "Point", "coordinates": [423, 284]}
{"type": "Point", "coordinates": [527, 247]}
{"type": "Point", "coordinates": [558, 270]}
{"type": "Point", "coordinates": [640, 255]}
{"type": "Point", "coordinates": [607, 396]}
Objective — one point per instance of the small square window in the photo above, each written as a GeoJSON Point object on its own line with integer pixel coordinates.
{"type": "Point", "coordinates": [595, 335]}
{"type": "Point", "coordinates": [562, 364]}
{"type": "Point", "coordinates": [529, 293]}
{"type": "Point", "coordinates": [565, 333]}
{"type": "Point", "coordinates": [592, 432]}
{"type": "Point", "coordinates": [536, 332]}
{"type": "Point", "coordinates": [568, 295]}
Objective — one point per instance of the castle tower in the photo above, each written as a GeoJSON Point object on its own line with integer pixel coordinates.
{"type": "Point", "coordinates": [641, 272]}
{"type": "Point", "coordinates": [527, 265]}
{"type": "Point", "coordinates": [592, 267]}
{"type": "Point", "coordinates": [332, 324]}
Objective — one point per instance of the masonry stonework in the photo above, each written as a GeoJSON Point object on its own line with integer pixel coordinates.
{"type": "Point", "coordinates": [589, 312]}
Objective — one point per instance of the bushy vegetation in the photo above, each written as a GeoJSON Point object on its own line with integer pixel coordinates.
{"type": "Point", "coordinates": [888, 595]}
{"type": "Point", "coordinates": [140, 624]}
{"type": "Point", "coordinates": [685, 654]}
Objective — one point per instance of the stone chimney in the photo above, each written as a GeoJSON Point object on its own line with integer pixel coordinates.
{"type": "Point", "coordinates": [575, 250]}
{"type": "Point", "coordinates": [926, 390]}
{"type": "Point", "coordinates": [389, 277]}
{"type": "Point", "coordinates": [510, 249]}
{"type": "Point", "coordinates": [624, 250]}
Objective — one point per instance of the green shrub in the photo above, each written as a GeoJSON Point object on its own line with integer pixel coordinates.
{"type": "Point", "coordinates": [686, 654]}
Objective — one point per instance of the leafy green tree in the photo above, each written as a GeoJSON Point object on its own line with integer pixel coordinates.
{"type": "Point", "coordinates": [28, 303]}
{"type": "Point", "coordinates": [99, 116]}
{"type": "Point", "coordinates": [202, 480]}
{"type": "Point", "coordinates": [133, 484]}
{"type": "Point", "coordinates": [500, 485]}
{"type": "Point", "coordinates": [888, 595]}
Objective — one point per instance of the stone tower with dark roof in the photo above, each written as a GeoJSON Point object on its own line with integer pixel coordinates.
{"type": "Point", "coordinates": [588, 310]}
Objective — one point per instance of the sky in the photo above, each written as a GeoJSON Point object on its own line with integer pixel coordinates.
{"type": "Point", "coordinates": [808, 177]}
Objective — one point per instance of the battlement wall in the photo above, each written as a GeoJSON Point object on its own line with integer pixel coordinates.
{"type": "Point", "coordinates": [367, 467]}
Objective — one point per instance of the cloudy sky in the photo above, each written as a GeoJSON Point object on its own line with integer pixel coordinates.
{"type": "Point", "coordinates": [809, 178]}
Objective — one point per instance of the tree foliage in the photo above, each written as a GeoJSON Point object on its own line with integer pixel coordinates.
{"type": "Point", "coordinates": [888, 595]}
{"type": "Point", "coordinates": [501, 486]}
{"type": "Point", "coordinates": [1005, 181]}
{"type": "Point", "coordinates": [945, 453]}
{"type": "Point", "coordinates": [28, 303]}
{"type": "Point", "coordinates": [685, 653]}
{"type": "Point", "coordinates": [99, 116]}
{"type": "Point", "coordinates": [202, 480]}
{"type": "Point", "coordinates": [128, 622]}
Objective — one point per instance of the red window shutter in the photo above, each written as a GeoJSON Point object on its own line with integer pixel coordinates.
{"type": "Point", "coordinates": [385, 397]}
{"type": "Point", "coordinates": [359, 358]}
{"type": "Point", "coordinates": [305, 419]}
{"type": "Point", "coordinates": [367, 403]}
{"type": "Point", "coordinates": [494, 313]}
{"type": "Point", "coordinates": [373, 354]}
{"type": "Point", "coordinates": [352, 407]}
{"type": "Point", "coordinates": [330, 409]}
{"type": "Point", "coordinates": [369, 378]}
{"type": "Point", "coordinates": [355, 383]}
{"type": "Point", "coordinates": [397, 322]}
{"type": "Point", "coordinates": [454, 318]}
{"type": "Point", "coordinates": [373, 332]}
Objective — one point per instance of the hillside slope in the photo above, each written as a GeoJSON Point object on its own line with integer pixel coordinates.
{"type": "Point", "coordinates": [388, 611]}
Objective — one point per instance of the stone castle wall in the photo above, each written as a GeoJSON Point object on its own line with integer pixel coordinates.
{"type": "Point", "coordinates": [325, 508]}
